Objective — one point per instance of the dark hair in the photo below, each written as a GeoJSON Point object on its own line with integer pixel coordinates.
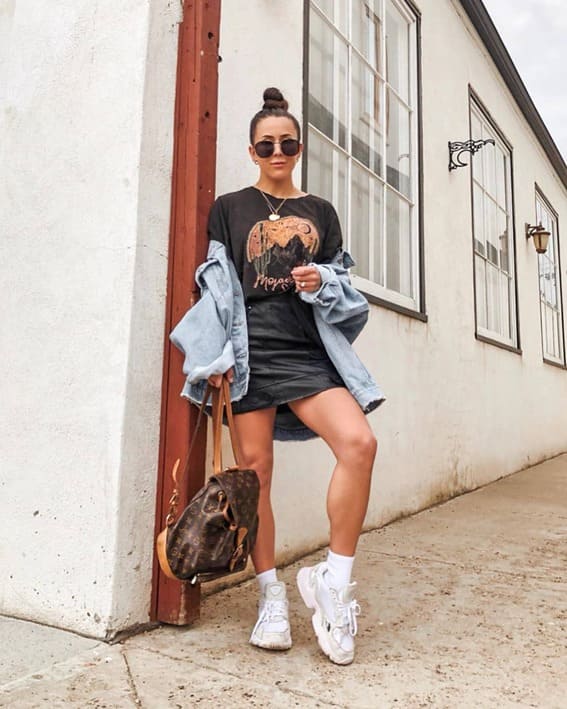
{"type": "Point", "coordinates": [274, 105]}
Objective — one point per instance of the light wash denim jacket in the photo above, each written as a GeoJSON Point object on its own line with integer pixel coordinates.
{"type": "Point", "coordinates": [213, 335]}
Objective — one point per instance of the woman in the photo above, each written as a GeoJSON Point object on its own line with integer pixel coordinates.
{"type": "Point", "coordinates": [283, 249]}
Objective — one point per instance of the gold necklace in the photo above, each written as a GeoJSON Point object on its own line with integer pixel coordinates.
{"type": "Point", "coordinates": [274, 216]}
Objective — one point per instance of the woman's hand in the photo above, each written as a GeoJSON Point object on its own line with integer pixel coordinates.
{"type": "Point", "coordinates": [307, 278]}
{"type": "Point", "coordinates": [215, 380]}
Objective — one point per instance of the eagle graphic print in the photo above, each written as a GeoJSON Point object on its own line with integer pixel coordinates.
{"type": "Point", "coordinates": [275, 248]}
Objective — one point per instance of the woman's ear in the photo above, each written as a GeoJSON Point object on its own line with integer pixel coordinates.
{"type": "Point", "coordinates": [252, 154]}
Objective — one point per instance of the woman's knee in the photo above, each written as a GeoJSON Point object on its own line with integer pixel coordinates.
{"type": "Point", "coordinates": [359, 445]}
{"type": "Point", "coordinates": [262, 463]}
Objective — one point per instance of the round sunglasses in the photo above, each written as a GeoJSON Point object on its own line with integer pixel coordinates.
{"type": "Point", "coordinates": [265, 148]}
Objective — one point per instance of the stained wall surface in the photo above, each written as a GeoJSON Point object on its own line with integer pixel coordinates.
{"type": "Point", "coordinates": [86, 124]}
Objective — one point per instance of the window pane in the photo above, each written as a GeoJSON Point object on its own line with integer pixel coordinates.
{"type": "Point", "coordinates": [503, 239]}
{"type": "Point", "coordinates": [478, 225]}
{"type": "Point", "coordinates": [480, 283]}
{"type": "Point", "coordinates": [366, 119]}
{"type": "Point", "coordinates": [397, 51]}
{"type": "Point", "coordinates": [367, 242]}
{"type": "Point", "coordinates": [492, 236]}
{"type": "Point", "coordinates": [366, 30]}
{"type": "Point", "coordinates": [377, 220]}
{"type": "Point", "coordinates": [327, 80]}
{"type": "Point", "coordinates": [501, 170]}
{"type": "Point", "coordinates": [556, 348]}
{"type": "Point", "coordinates": [493, 298]}
{"type": "Point", "coordinates": [489, 154]}
{"type": "Point", "coordinates": [398, 145]}
{"type": "Point", "coordinates": [542, 271]}
{"type": "Point", "coordinates": [377, 230]}
{"type": "Point", "coordinates": [550, 345]}
{"type": "Point", "coordinates": [326, 174]}
{"type": "Point", "coordinates": [549, 291]}
{"type": "Point", "coordinates": [336, 12]}
{"type": "Point", "coordinates": [543, 315]}
{"type": "Point", "coordinates": [359, 228]}
{"type": "Point", "coordinates": [327, 6]}
{"type": "Point", "coordinates": [398, 245]}
{"type": "Point", "coordinates": [551, 243]}
{"type": "Point", "coordinates": [505, 305]}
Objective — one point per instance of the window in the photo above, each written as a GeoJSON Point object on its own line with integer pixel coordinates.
{"type": "Point", "coordinates": [363, 137]}
{"type": "Point", "coordinates": [550, 286]}
{"type": "Point", "coordinates": [494, 261]}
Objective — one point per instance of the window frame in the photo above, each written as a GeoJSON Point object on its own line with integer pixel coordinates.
{"type": "Point", "coordinates": [483, 334]}
{"type": "Point", "coordinates": [374, 292]}
{"type": "Point", "coordinates": [562, 363]}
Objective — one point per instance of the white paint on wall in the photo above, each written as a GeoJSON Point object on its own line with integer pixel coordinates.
{"type": "Point", "coordinates": [87, 96]}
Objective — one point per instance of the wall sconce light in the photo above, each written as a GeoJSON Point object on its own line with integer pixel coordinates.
{"type": "Point", "coordinates": [541, 237]}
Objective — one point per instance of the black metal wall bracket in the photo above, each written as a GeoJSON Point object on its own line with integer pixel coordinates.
{"type": "Point", "coordinates": [457, 148]}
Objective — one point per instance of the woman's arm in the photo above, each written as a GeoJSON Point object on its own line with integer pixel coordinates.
{"type": "Point", "coordinates": [337, 301]}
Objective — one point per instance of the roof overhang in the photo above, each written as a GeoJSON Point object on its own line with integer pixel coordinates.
{"type": "Point", "coordinates": [483, 24]}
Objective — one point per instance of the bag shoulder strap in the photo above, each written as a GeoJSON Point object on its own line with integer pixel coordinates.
{"type": "Point", "coordinates": [236, 452]}
{"type": "Point", "coordinates": [220, 403]}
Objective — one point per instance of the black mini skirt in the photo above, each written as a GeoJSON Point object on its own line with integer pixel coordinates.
{"type": "Point", "coordinates": [286, 356]}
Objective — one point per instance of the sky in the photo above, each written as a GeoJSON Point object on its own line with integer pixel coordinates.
{"type": "Point", "coordinates": [535, 35]}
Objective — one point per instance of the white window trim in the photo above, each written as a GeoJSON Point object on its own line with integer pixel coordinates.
{"type": "Point", "coordinates": [513, 342]}
{"type": "Point", "coordinates": [366, 285]}
{"type": "Point", "coordinates": [547, 357]}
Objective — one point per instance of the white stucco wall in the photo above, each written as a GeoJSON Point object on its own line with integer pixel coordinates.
{"type": "Point", "coordinates": [86, 124]}
{"type": "Point", "coordinates": [460, 412]}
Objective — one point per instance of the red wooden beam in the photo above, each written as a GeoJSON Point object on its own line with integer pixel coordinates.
{"type": "Point", "coordinates": [193, 187]}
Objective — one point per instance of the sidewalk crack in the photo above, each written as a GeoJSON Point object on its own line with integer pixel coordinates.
{"type": "Point", "coordinates": [131, 683]}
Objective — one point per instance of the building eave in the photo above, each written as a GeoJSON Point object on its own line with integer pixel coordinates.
{"type": "Point", "coordinates": [482, 22]}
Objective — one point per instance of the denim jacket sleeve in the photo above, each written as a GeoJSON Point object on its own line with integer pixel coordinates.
{"type": "Point", "coordinates": [203, 334]}
{"type": "Point", "coordinates": [337, 301]}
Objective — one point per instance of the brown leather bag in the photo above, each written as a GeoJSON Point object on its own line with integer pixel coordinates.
{"type": "Point", "coordinates": [216, 532]}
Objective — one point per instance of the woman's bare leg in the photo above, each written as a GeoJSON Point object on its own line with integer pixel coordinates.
{"type": "Point", "coordinates": [255, 431]}
{"type": "Point", "coordinates": [336, 417]}
{"type": "Point", "coordinates": [326, 587]}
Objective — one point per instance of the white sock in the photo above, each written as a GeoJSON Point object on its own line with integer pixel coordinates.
{"type": "Point", "coordinates": [266, 577]}
{"type": "Point", "coordinates": [339, 570]}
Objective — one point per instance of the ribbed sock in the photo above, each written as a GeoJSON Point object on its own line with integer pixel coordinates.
{"type": "Point", "coordinates": [339, 570]}
{"type": "Point", "coordinates": [265, 578]}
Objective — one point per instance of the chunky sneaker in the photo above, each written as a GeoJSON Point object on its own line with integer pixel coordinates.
{"type": "Point", "coordinates": [272, 628]}
{"type": "Point", "coordinates": [334, 619]}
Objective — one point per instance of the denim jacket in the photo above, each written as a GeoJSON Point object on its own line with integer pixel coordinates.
{"type": "Point", "coordinates": [213, 335]}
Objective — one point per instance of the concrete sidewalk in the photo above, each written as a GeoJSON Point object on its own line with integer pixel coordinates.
{"type": "Point", "coordinates": [464, 605]}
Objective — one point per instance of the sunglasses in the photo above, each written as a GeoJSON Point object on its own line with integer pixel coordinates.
{"type": "Point", "coordinates": [265, 148]}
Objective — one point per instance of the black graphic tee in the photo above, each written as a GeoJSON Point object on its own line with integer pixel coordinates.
{"type": "Point", "coordinates": [264, 252]}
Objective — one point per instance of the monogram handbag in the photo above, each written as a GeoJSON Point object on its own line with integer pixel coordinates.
{"type": "Point", "coordinates": [216, 532]}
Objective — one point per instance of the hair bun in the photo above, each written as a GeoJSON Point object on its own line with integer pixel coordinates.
{"type": "Point", "coordinates": [273, 98]}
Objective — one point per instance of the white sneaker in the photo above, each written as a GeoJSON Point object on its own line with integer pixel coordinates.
{"type": "Point", "coordinates": [334, 619]}
{"type": "Point", "coordinates": [272, 630]}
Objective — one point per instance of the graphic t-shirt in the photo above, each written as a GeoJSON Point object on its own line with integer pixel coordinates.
{"type": "Point", "coordinates": [264, 252]}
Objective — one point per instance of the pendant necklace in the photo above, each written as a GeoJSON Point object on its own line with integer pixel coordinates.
{"type": "Point", "coordinates": [274, 216]}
